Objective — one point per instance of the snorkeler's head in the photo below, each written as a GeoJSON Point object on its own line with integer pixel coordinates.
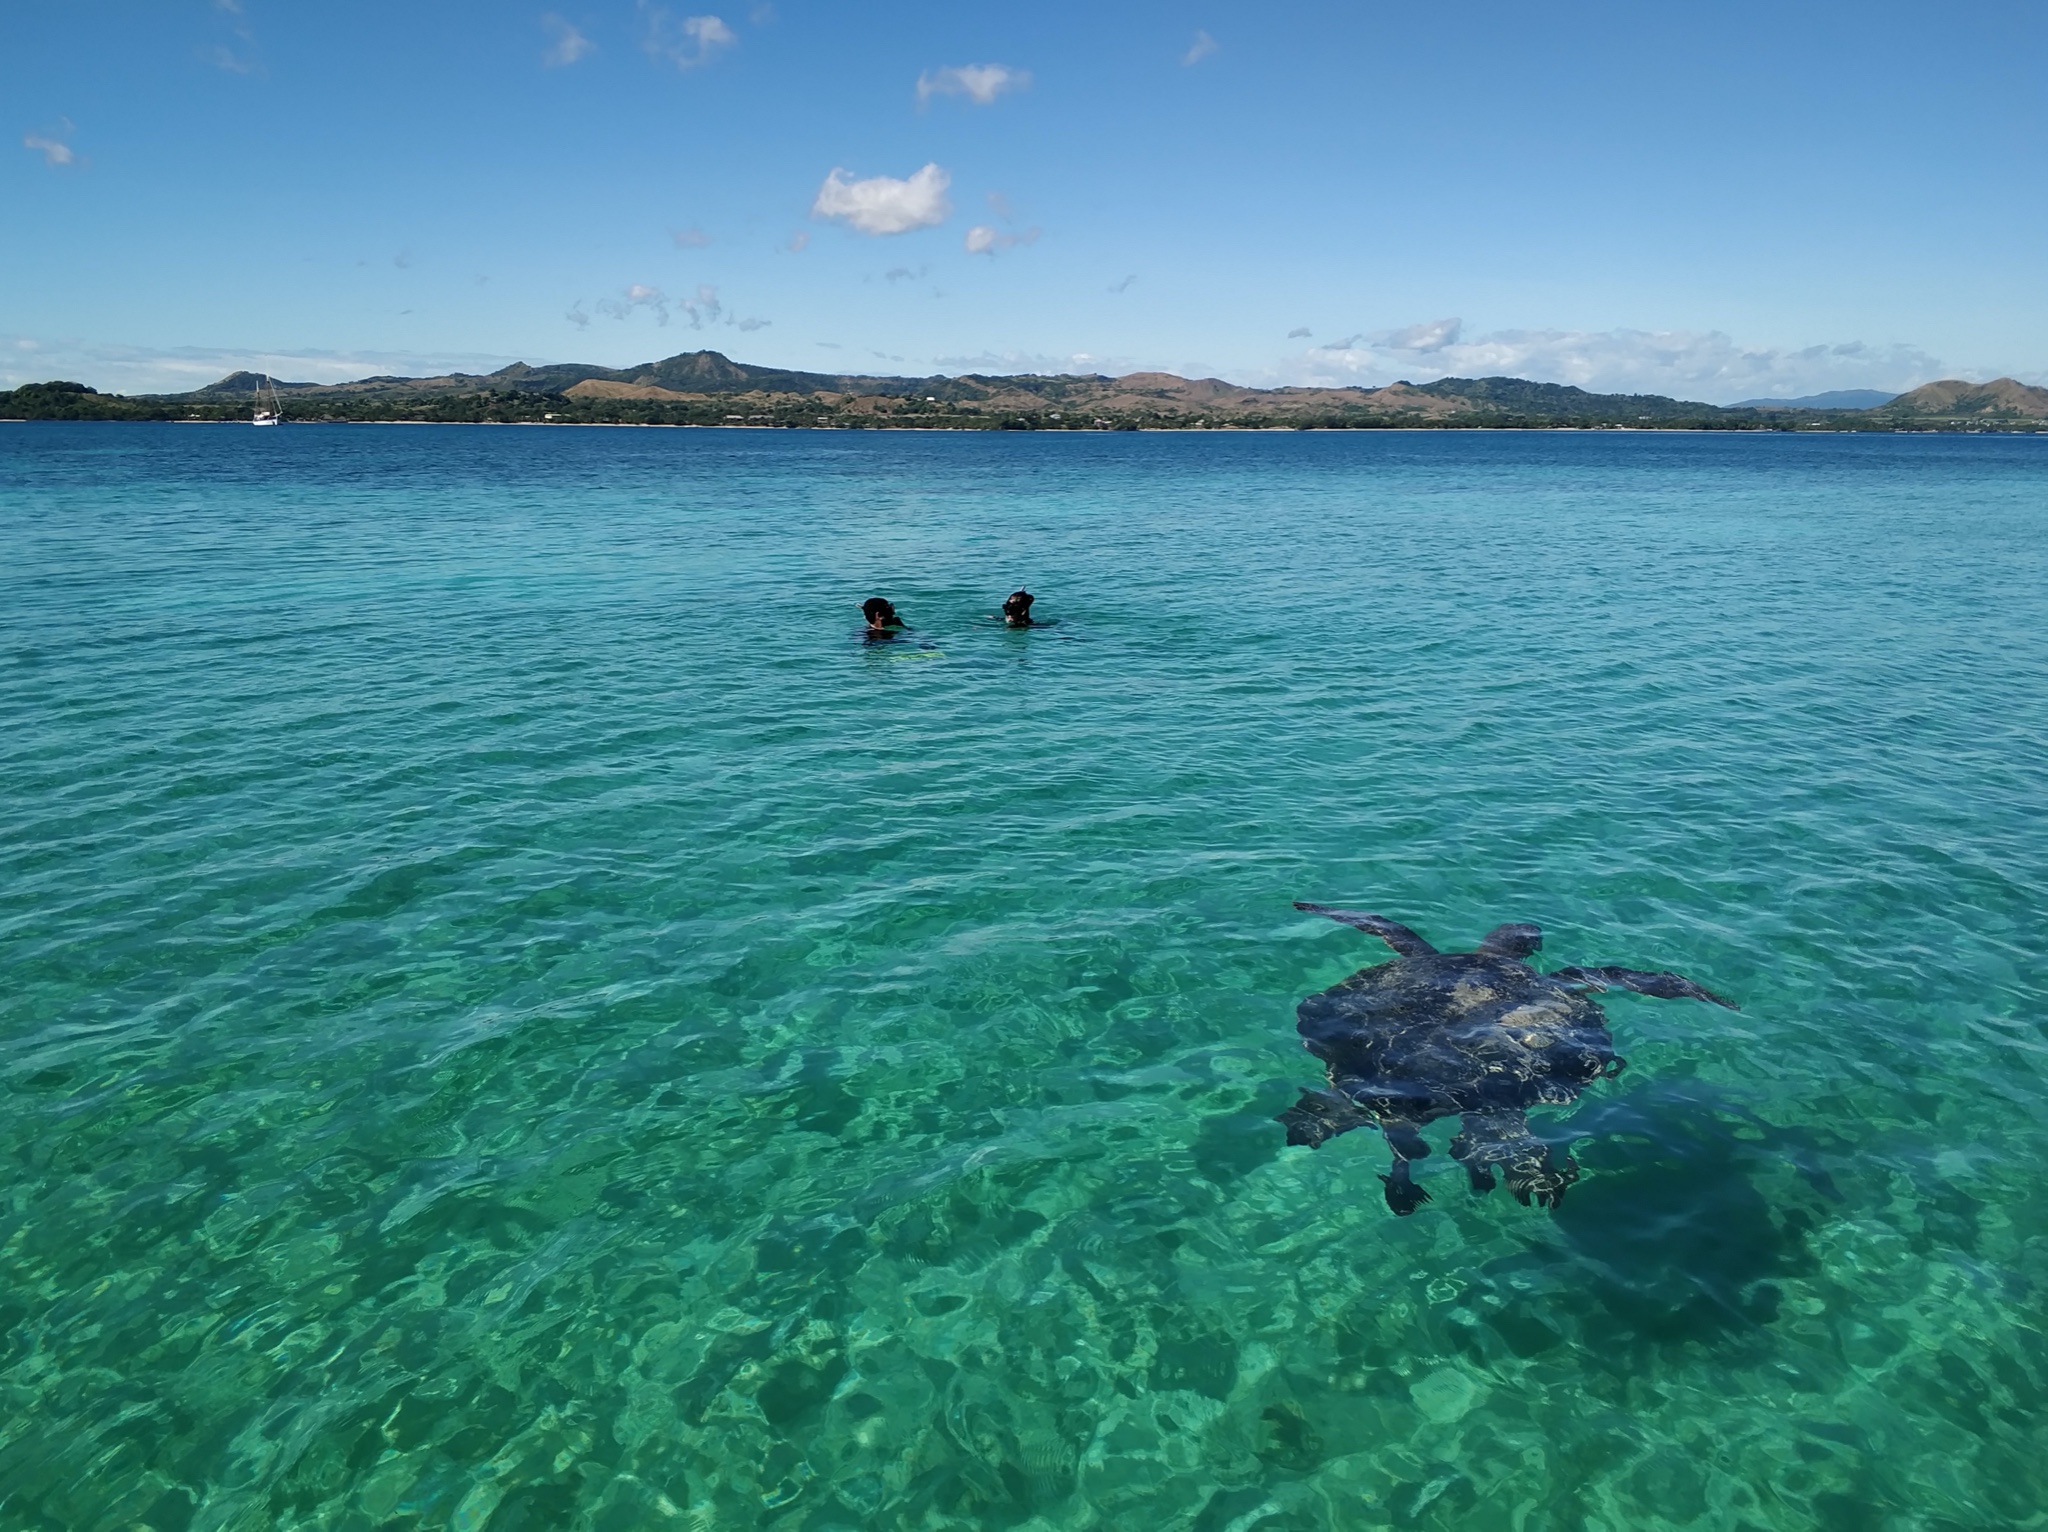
{"type": "Point", "coordinates": [1017, 606]}
{"type": "Point", "coordinates": [878, 612]}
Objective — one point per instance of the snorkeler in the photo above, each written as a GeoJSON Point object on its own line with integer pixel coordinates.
{"type": "Point", "coordinates": [1017, 610]}
{"type": "Point", "coordinates": [881, 616]}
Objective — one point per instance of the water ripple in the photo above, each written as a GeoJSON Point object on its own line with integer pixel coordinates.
{"type": "Point", "coordinates": [517, 1018]}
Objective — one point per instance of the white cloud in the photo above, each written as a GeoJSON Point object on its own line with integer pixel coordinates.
{"type": "Point", "coordinates": [1687, 364]}
{"type": "Point", "coordinates": [1199, 49]}
{"type": "Point", "coordinates": [1000, 363]}
{"type": "Point", "coordinates": [55, 152]}
{"type": "Point", "coordinates": [799, 241]}
{"type": "Point", "coordinates": [883, 204]}
{"type": "Point", "coordinates": [689, 239]}
{"type": "Point", "coordinates": [1422, 339]}
{"type": "Point", "coordinates": [639, 296]}
{"type": "Point", "coordinates": [979, 83]}
{"type": "Point", "coordinates": [172, 370]}
{"type": "Point", "coordinates": [222, 56]}
{"type": "Point", "coordinates": [1300, 334]}
{"type": "Point", "coordinates": [688, 43]}
{"type": "Point", "coordinates": [705, 308]}
{"type": "Point", "coordinates": [987, 239]}
{"type": "Point", "coordinates": [569, 44]}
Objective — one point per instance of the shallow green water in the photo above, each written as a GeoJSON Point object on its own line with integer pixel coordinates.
{"type": "Point", "coordinates": [514, 1017]}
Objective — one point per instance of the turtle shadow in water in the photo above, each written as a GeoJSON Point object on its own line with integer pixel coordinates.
{"type": "Point", "coordinates": [1669, 1241]}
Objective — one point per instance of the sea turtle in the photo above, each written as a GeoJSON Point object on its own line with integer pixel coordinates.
{"type": "Point", "coordinates": [1481, 1034]}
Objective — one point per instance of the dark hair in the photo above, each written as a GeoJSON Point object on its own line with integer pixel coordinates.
{"type": "Point", "coordinates": [1018, 603]}
{"type": "Point", "coordinates": [876, 608]}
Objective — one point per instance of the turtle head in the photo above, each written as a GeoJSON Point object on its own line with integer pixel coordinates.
{"type": "Point", "coordinates": [1517, 939]}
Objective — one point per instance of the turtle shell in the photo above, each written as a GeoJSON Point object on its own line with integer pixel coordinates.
{"type": "Point", "coordinates": [1456, 1032]}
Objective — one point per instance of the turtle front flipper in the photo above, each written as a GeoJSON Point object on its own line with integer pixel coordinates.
{"type": "Point", "coordinates": [1392, 932]}
{"type": "Point", "coordinates": [1661, 986]}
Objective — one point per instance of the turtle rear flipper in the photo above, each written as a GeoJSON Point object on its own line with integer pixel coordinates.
{"type": "Point", "coordinates": [1404, 1195]}
{"type": "Point", "coordinates": [1319, 1116]}
{"type": "Point", "coordinates": [1534, 1171]}
{"type": "Point", "coordinates": [1392, 932]}
{"type": "Point", "coordinates": [1661, 986]}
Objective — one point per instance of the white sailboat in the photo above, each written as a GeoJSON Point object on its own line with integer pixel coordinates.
{"type": "Point", "coordinates": [270, 413]}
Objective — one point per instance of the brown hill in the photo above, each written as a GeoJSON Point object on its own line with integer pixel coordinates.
{"type": "Point", "coordinates": [605, 388]}
{"type": "Point", "coordinates": [1953, 397]}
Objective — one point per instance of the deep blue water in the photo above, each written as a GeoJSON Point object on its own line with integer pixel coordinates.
{"type": "Point", "coordinates": [515, 1016]}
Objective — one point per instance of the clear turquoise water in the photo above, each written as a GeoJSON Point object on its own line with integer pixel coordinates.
{"type": "Point", "coordinates": [515, 1018]}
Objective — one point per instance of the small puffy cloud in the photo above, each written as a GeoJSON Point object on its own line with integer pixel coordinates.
{"type": "Point", "coordinates": [691, 238]}
{"type": "Point", "coordinates": [799, 242]}
{"type": "Point", "coordinates": [233, 59]}
{"type": "Point", "coordinates": [705, 308]}
{"type": "Point", "coordinates": [688, 43]}
{"type": "Point", "coordinates": [640, 295]}
{"type": "Point", "coordinates": [568, 46]}
{"type": "Point", "coordinates": [987, 239]}
{"type": "Point", "coordinates": [1300, 334]}
{"type": "Point", "coordinates": [1421, 339]}
{"type": "Point", "coordinates": [577, 317]}
{"type": "Point", "coordinates": [1199, 49]}
{"type": "Point", "coordinates": [1686, 364]}
{"type": "Point", "coordinates": [883, 204]}
{"type": "Point", "coordinates": [979, 83]}
{"type": "Point", "coordinates": [903, 274]}
{"type": "Point", "coordinates": [57, 154]}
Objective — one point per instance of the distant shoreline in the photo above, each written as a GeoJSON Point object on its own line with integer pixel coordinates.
{"type": "Point", "coordinates": [2028, 430]}
{"type": "Point", "coordinates": [707, 388]}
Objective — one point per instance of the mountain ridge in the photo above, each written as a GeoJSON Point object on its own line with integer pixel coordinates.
{"type": "Point", "coordinates": [698, 375]}
{"type": "Point", "coordinates": [709, 388]}
{"type": "Point", "coordinates": [1833, 399]}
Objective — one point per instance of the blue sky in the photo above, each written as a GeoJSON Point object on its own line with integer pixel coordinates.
{"type": "Point", "coordinates": [1714, 201]}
